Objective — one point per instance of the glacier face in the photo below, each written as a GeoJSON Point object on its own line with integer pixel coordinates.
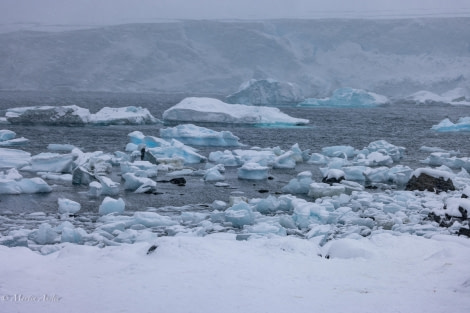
{"type": "Point", "coordinates": [390, 57]}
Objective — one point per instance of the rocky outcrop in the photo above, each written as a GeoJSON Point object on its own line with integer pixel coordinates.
{"type": "Point", "coordinates": [430, 183]}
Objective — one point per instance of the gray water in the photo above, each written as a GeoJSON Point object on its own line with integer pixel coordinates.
{"type": "Point", "coordinates": [403, 125]}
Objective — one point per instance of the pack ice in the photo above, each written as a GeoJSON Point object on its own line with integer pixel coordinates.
{"type": "Point", "coordinates": [209, 110]}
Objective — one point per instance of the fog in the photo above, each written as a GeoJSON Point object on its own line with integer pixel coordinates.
{"type": "Point", "coordinates": [101, 12]}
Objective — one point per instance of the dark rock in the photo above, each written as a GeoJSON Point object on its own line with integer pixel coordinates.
{"type": "Point", "coordinates": [263, 191]}
{"type": "Point", "coordinates": [80, 176]}
{"type": "Point", "coordinates": [180, 181]}
{"type": "Point", "coordinates": [152, 249]}
{"type": "Point", "coordinates": [426, 182]}
{"type": "Point", "coordinates": [464, 231]}
{"type": "Point", "coordinates": [332, 180]}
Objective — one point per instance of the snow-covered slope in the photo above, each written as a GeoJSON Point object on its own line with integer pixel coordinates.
{"type": "Point", "coordinates": [389, 57]}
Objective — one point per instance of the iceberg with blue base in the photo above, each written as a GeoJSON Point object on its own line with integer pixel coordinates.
{"type": "Point", "coordinates": [266, 92]}
{"type": "Point", "coordinates": [347, 97]}
{"type": "Point", "coordinates": [209, 110]}
{"type": "Point", "coordinates": [199, 136]}
{"type": "Point", "coordinates": [446, 125]}
{"type": "Point", "coordinates": [253, 171]}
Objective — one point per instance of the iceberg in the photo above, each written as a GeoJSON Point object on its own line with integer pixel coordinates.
{"type": "Point", "coordinates": [73, 115]}
{"type": "Point", "coordinates": [209, 110]}
{"type": "Point", "coordinates": [266, 92]}
{"type": "Point", "coordinates": [446, 125]}
{"type": "Point", "coordinates": [130, 115]}
{"type": "Point", "coordinates": [139, 184]}
{"type": "Point", "coordinates": [347, 97]}
{"type": "Point", "coordinates": [300, 184]}
{"type": "Point", "coordinates": [457, 96]}
{"type": "Point", "coordinates": [199, 136]}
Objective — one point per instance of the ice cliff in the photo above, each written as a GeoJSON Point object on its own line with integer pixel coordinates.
{"type": "Point", "coordinates": [395, 57]}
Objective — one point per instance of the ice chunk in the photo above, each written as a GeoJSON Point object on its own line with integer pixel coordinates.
{"type": "Point", "coordinates": [266, 92]}
{"type": "Point", "coordinates": [386, 148]}
{"type": "Point", "coordinates": [130, 115]}
{"type": "Point", "coordinates": [11, 182]}
{"type": "Point", "coordinates": [14, 158]}
{"type": "Point", "coordinates": [213, 174]}
{"type": "Point", "coordinates": [300, 184]}
{"type": "Point", "coordinates": [319, 190]}
{"type": "Point", "coordinates": [52, 162]}
{"type": "Point", "coordinates": [73, 235]}
{"type": "Point", "coordinates": [109, 187]}
{"type": "Point", "coordinates": [6, 134]}
{"type": "Point", "coordinates": [152, 219]}
{"type": "Point", "coordinates": [139, 184]}
{"type": "Point", "coordinates": [67, 206]}
{"type": "Point", "coordinates": [253, 171]}
{"type": "Point", "coordinates": [286, 160]}
{"type": "Point", "coordinates": [227, 158]}
{"type": "Point", "coordinates": [199, 136]}
{"type": "Point", "coordinates": [263, 157]}
{"type": "Point", "coordinates": [60, 147]}
{"type": "Point", "coordinates": [268, 205]}
{"type": "Point", "coordinates": [95, 189]}
{"type": "Point", "coordinates": [140, 168]}
{"type": "Point", "coordinates": [348, 97]}
{"type": "Point", "coordinates": [110, 205]}
{"type": "Point", "coordinates": [215, 111]}
{"type": "Point", "coordinates": [177, 149]}
{"type": "Point", "coordinates": [338, 151]}
{"type": "Point", "coordinates": [44, 235]}
{"type": "Point", "coordinates": [239, 215]}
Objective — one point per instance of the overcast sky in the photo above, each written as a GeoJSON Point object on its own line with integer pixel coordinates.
{"type": "Point", "coordinates": [92, 12]}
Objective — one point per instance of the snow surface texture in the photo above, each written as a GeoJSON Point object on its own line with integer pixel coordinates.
{"type": "Point", "coordinates": [395, 57]}
{"type": "Point", "coordinates": [75, 115]}
{"type": "Point", "coordinates": [266, 92]}
{"type": "Point", "coordinates": [210, 110]}
{"type": "Point", "coordinates": [347, 97]}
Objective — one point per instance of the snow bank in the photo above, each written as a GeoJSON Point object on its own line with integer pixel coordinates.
{"type": "Point", "coordinates": [266, 92]}
{"type": "Point", "coordinates": [208, 110]}
{"type": "Point", "coordinates": [347, 97]}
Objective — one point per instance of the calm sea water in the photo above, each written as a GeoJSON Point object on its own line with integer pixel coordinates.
{"type": "Point", "coordinates": [403, 125]}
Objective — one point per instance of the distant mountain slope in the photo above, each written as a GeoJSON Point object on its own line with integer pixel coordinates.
{"type": "Point", "coordinates": [391, 57]}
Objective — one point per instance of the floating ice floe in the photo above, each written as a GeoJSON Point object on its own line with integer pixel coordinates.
{"type": "Point", "coordinates": [199, 136]}
{"type": "Point", "coordinates": [208, 110]}
{"type": "Point", "coordinates": [7, 139]}
{"type": "Point", "coordinates": [157, 150]}
{"type": "Point", "coordinates": [266, 92]}
{"type": "Point", "coordinates": [253, 171]}
{"type": "Point", "coordinates": [12, 182]}
{"type": "Point", "coordinates": [73, 115]}
{"type": "Point", "coordinates": [110, 205]}
{"type": "Point", "coordinates": [347, 97]}
{"type": "Point", "coordinates": [458, 96]}
{"type": "Point", "coordinates": [446, 125]}
{"type": "Point", "coordinates": [67, 206]}
{"type": "Point", "coordinates": [14, 158]}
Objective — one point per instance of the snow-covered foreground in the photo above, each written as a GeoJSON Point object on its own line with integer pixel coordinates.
{"type": "Point", "coordinates": [216, 273]}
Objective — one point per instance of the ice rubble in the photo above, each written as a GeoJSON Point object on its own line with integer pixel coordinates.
{"type": "Point", "coordinates": [446, 125]}
{"type": "Point", "coordinates": [14, 158]}
{"type": "Point", "coordinates": [209, 110]}
{"type": "Point", "coordinates": [347, 97]}
{"type": "Point", "coordinates": [266, 92]}
{"type": "Point", "coordinates": [12, 182]}
{"type": "Point", "coordinates": [199, 136]}
{"type": "Point", "coordinates": [75, 115]}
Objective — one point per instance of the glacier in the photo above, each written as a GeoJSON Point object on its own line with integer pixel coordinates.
{"type": "Point", "coordinates": [266, 92]}
{"type": "Point", "coordinates": [392, 57]}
